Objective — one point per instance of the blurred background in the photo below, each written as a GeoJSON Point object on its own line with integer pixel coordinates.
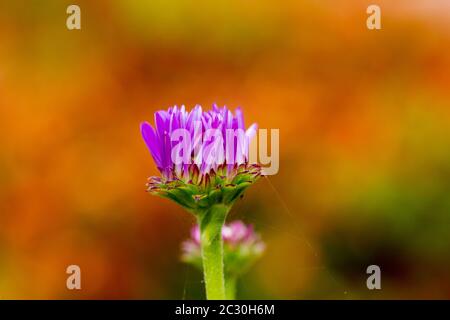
{"type": "Point", "coordinates": [364, 119]}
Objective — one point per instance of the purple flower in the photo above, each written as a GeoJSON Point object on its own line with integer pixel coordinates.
{"type": "Point", "coordinates": [206, 132]}
{"type": "Point", "coordinates": [242, 246]}
{"type": "Point", "coordinates": [237, 232]}
{"type": "Point", "coordinates": [203, 156]}
{"type": "Point", "coordinates": [234, 233]}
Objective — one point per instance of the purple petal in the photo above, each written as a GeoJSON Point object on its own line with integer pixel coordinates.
{"type": "Point", "coordinates": [240, 119]}
{"type": "Point", "coordinates": [151, 140]}
{"type": "Point", "coordinates": [195, 234]}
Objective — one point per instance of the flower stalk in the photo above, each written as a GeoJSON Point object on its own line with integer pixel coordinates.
{"type": "Point", "coordinates": [211, 223]}
{"type": "Point", "coordinates": [230, 287]}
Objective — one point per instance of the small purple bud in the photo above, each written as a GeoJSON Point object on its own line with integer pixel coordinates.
{"type": "Point", "coordinates": [240, 242]}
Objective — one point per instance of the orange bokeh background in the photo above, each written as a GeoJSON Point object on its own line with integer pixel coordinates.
{"type": "Point", "coordinates": [364, 119]}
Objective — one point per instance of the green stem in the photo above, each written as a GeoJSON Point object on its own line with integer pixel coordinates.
{"type": "Point", "coordinates": [230, 287]}
{"type": "Point", "coordinates": [211, 223]}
